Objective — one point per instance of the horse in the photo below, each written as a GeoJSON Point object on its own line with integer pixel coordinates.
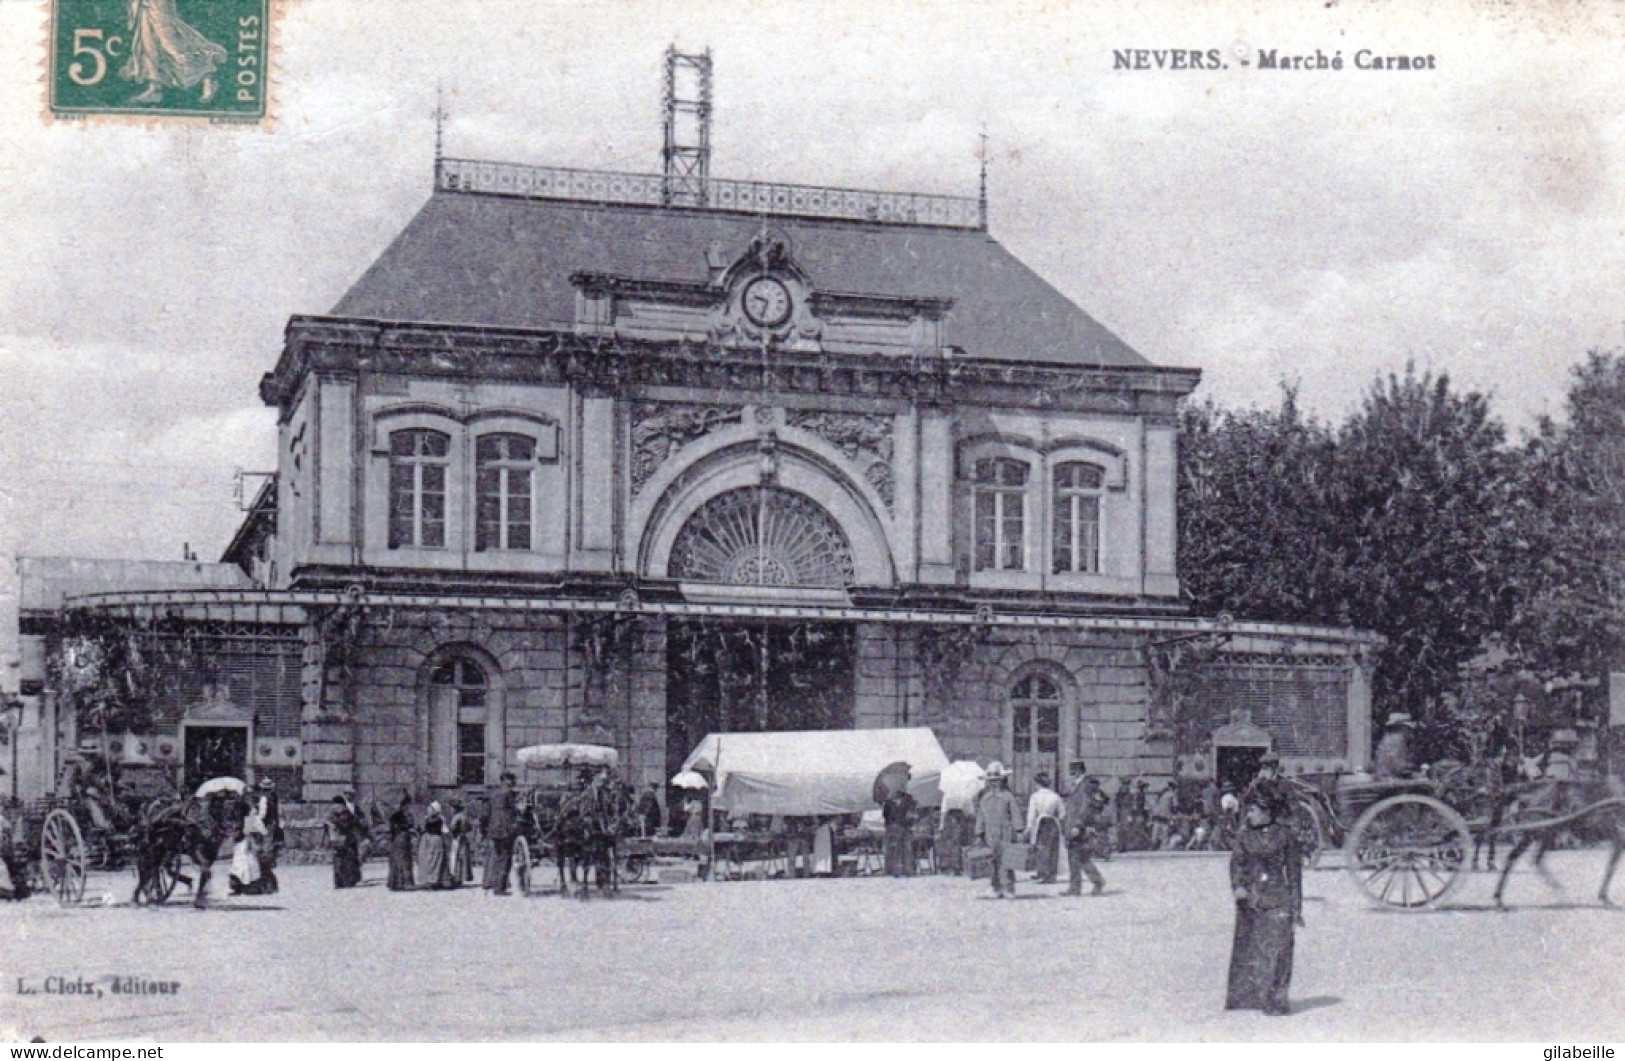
{"type": "Point", "coordinates": [1549, 808]}
{"type": "Point", "coordinates": [169, 830]}
{"type": "Point", "coordinates": [1482, 791]}
{"type": "Point", "coordinates": [585, 831]}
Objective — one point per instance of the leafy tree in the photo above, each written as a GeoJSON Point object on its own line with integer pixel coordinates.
{"type": "Point", "coordinates": [1571, 616]}
{"type": "Point", "coordinates": [1428, 517]}
{"type": "Point", "coordinates": [1402, 520]}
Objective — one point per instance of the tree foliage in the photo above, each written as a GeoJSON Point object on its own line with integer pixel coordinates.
{"type": "Point", "coordinates": [1403, 520]}
{"type": "Point", "coordinates": [1571, 616]}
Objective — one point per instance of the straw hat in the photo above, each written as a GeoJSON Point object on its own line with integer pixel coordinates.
{"type": "Point", "coordinates": [995, 770]}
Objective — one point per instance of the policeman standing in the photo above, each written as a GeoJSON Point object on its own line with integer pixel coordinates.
{"type": "Point", "coordinates": [1085, 804]}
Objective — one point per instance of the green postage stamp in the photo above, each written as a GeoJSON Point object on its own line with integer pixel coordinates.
{"type": "Point", "coordinates": [160, 58]}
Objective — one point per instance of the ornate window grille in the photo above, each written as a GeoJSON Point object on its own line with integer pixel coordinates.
{"type": "Point", "coordinates": [1076, 532]}
{"type": "Point", "coordinates": [762, 536]}
{"type": "Point", "coordinates": [1001, 514]}
{"type": "Point", "coordinates": [417, 488]}
{"type": "Point", "coordinates": [503, 481]}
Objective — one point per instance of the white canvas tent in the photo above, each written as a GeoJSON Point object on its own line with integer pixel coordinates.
{"type": "Point", "coordinates": [806, 772]}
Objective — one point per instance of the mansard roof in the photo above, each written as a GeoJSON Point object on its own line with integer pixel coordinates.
{"type": "Point", "coordinates": [506, 261]}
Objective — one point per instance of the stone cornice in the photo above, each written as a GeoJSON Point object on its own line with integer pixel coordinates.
{"type": "Point", "coordinates": [330, 346]}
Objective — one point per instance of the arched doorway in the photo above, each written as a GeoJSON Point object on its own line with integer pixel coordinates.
{"type": "Point", "coordinates": [1037, 721]}
{"type": "Point", "coordinates": [465, 731]}
{"type": "Point", "coordinates": [747, 674]}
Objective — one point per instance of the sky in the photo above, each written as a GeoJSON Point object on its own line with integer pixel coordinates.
{"type": "Point", "coordinates": [1316, 227]}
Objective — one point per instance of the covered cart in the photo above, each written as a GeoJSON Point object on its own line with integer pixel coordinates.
{"type": "Point", "coordinates": [806, 773]}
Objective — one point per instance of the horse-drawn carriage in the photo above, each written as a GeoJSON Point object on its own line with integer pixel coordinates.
{"type": "Point", "coordinates": [581, 824]}
{"type": "Point", "coordinates": [1412, 838]}
{"type": "Point", "coordinates": [57, 840]}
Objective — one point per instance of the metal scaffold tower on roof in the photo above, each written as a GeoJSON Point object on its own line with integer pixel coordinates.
{"type": "Point", "coordinates": [687, 153]}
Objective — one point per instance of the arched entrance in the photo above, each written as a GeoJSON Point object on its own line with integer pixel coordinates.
{"type": "Point", "coordinates": [465, 731]}
{"type": "Point", "coordinates": [762, 536]}
{"type": "Point", "coordinates": [744, 674]}
{"type": "Point", "coordinates": [1038, 727]}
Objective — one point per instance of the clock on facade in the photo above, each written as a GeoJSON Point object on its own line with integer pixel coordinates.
{"type": "Point", "coordinates": [766, 302]}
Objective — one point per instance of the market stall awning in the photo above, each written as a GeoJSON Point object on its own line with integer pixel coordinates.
{"type": "Point", "coordinates": [806, 772]}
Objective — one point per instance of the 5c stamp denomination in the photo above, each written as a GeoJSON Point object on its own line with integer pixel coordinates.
{"type": "Point", "coordinates": [160, 58]}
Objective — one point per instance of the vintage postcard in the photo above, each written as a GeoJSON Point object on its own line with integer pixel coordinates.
{"type": "Point", "coordinates": [904, 522]}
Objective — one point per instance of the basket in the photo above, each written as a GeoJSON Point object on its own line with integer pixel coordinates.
{"type": "Point", "coordinates": [979, 863]}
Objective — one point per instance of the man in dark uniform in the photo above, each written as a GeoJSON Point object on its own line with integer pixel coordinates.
{"type": "Point", "coordinates": [502, 826]}
{"type": "Point", "coordinates": [898, 844]}
{"type": "Point", "coordinates": [1085, 808]}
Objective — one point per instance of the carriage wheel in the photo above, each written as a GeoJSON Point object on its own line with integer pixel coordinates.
{"type": "Point", "coordinates": [1408, 851]}
{"type": "Point", "coordinates": [634, 868]}
{"type": "Point", "coordinates": [169, 872]}
{"type": "Point", "coordinates": [521, 864]}
{"type": "Point", "coordinates": [1311, 832]}
{"type": "Point", "coordinates": [63, 857]}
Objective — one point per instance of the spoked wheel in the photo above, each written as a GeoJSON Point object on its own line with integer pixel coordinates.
{"type": "Point", "coordinates": [1408, 851]}
{"type": "Point", "coordinates": [633, 868]}
{"type": "Point", "coordinates": [163, 886]}
{"type": "Point", "coordinates": [63, 857]}
{"type": "Point", "coordinates": [1310, 831]}
{"type": "Point", "coordinates": [522, 864]}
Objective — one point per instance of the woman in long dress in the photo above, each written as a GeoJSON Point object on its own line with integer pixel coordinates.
{"type": "Point", "coordinates": [246, 878]}
{"type": "Point", "coordinates": [166, 52]}
{"type": "Point", "coordinates": [1266, 878]}
{"type": "Point", "coordinates": [344, 833]}
{"type": "Point", "coordinates": [434, 871]}
{"type": "Point", "coordinates": [459, 846]}
{"type": "Point", "coordinates": [400, 846]}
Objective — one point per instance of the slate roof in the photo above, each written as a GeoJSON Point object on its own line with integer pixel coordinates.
{"type": "Point", "coordinates": [498, 261]}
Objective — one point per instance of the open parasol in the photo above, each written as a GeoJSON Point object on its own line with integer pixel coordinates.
{"type": "Point", "coordinates": [222, 784]}
{"type": "Point", "coordinates": [569, 755]}
{"type": "Point", "coordinates": [960, 783]}
{"type": "Point", "coordinates": [690, 779]}
{"type": "Point", "coordinates": [892, 779]}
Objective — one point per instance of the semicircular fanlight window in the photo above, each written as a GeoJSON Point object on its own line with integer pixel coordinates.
{"type": "Point", "coordinates": [762, 536]}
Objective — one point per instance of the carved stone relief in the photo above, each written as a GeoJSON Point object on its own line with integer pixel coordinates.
{"type": "Point", "coordinates": [660, 429]}
{"type": "Point", "coordinates": [866, 441]}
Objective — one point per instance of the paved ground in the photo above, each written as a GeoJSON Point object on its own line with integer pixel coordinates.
{"type": "Point", "coordinates": [927, 958]}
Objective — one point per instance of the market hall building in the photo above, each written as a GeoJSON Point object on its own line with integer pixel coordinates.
{"type": "Point", "coordinates": [577, 459]}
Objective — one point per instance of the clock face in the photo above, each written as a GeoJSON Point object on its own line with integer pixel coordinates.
{"type": "Point", "coordinates": [766, 302]}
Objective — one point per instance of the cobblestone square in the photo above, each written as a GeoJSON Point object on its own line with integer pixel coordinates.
{"type": "Point", "coordinates": [929, 958]}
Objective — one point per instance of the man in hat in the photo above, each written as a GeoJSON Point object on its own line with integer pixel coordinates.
{"type": "Point", "coordinates": [268, 808]}
{"type": "Point", "coordinates": [998, 823]}
{"type": "Point", "coordinates": [1084, 818]}
{"type": "Point", "coordinates": [897, 844]}
{"type": "Point", "coordinates": [1393, 757]}
{"type": "Point", "coordinates": [501, 826]}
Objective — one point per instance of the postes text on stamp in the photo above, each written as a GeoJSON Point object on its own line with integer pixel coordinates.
{"type": "Point", "coordinates": [159, 58]}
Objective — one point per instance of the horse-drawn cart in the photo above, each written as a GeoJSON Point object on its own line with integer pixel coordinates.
{"type": "Point", "coordinates": [58, 840]}
{"type": "Point", "coordinates": [578, 826]}
{"type": "Point", "coordinates": [1412, 839]}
